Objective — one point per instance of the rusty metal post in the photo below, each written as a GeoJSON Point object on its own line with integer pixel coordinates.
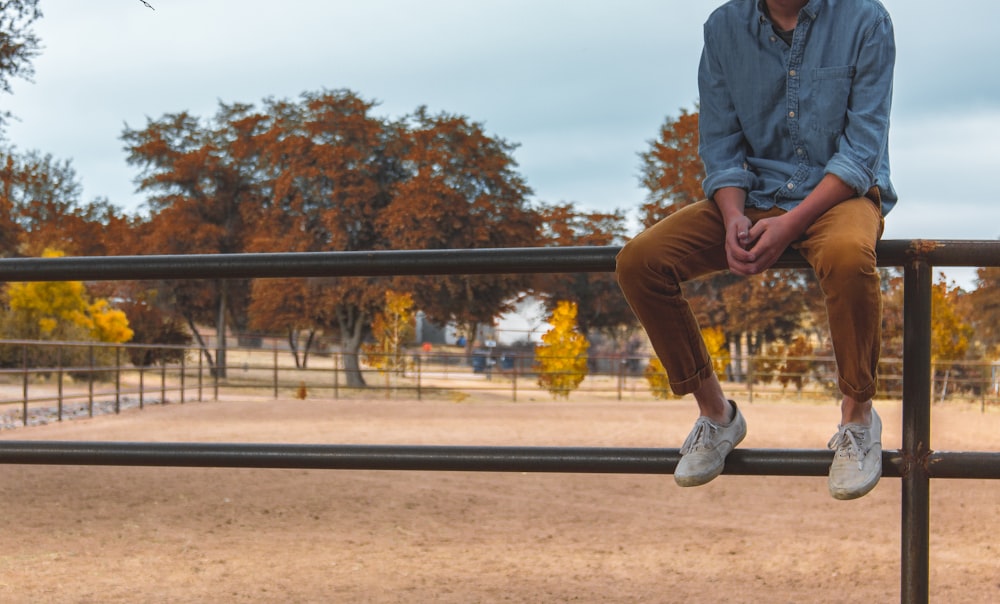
{"type": "Point", "coordinates": [915, 567]}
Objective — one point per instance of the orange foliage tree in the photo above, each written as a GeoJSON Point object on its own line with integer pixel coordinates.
{"type": "Point", "coordinates": [672, 171]}
{"type": "Point", "coordinates": [204, 194]}
{"type": "Point", "coordinates": [460, 190]}
{"type": "Point", "coordinates": [600, 303]}
{"type": "Point", "coordinates": [328, 169]}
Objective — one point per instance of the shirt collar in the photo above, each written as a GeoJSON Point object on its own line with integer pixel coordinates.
{"type": "Point", "coordinates": [811, 9]}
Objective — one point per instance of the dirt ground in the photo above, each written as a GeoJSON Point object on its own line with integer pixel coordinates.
{"type": "Point", "coordinates": [110, 534]}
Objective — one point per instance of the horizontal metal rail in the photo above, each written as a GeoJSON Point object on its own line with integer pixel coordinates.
{"type": "Point", "coordinates": [586, 460]}
{"type": "Point", "coordinates": [915, 463]}
{"type": "Point", "coordinates": [421, 262]}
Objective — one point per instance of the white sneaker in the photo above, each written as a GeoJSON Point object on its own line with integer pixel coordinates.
{"type": "Point", "coordinates": [857, 463]}
{"type": "Point", "coordinates": [703, 454]}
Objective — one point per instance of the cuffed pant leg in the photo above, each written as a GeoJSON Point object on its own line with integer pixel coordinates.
{"type": "Point", "coordinates": [840, 246]}
{"type": "Point", "coordinates": [650, 270]}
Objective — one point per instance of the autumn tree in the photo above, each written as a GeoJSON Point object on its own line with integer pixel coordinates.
{"type": "Point", "coordinates": [949, 333]}
{"type": "Point", "coordinates": [658, 380]}
{"type": "Point", "coordinates": [984, 305]}
{"type": "Point", "coordinates": [561, 358]}
{"type": "Point", "coordinates": [204, 191]}
{"type": "Point", "coordinates": [671, 169]}
{"type": "Point", "coordinates": [60, 311]}
{"type": "Point", "coordinates": [460, 191]}
{"type": "Point", "coordinates": [329, 168]}
{"type": "Point", "coordinates": [796, 367]}
{"type": "Point", "coordinates": [597, 295]}
{"type": "Point", "coordinates": [293, 306]}
{"type": "Point", "coordinates": [19, 45]}
{"type": "Point", "coordinates": [152, 324]}
{"type": "Point", "coordinates": [392, 329]}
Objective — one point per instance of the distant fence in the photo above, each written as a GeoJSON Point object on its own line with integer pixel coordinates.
{"type": "Point", "coordinates": [85, 373]}
{"type": "Point", "coordinates": [915, 463]}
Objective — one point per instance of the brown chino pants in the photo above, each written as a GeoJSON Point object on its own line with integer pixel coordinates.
{"type": "Point", "coordinates": [840, 246]}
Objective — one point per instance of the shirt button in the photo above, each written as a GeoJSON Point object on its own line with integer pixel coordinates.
{"type": "Point", "coordinates": [790, 186]}
{"type": "Point", "coordinates": [773, 39]}
{"type": "Point", "coordinates": [792, 73]}
{"type": "Point", "coordinates": [791, 114]}
{"type": "Point", "coordinates": [800, 151]}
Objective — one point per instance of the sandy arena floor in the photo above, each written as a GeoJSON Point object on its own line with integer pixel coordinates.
{"type": "Point", "coordinates": [106, 535]}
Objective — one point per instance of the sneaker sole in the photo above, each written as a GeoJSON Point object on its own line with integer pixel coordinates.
{"type": "Point", "coordinates": [848, 494]}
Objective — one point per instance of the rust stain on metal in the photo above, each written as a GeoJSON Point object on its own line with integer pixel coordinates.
{"type": "Point", "coordinates": [922, 458]}
{"type": "Point", "coordinates": [921, 247]}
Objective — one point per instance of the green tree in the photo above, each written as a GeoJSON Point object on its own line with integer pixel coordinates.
{"type": "Point", "coordinates": [562, 356]}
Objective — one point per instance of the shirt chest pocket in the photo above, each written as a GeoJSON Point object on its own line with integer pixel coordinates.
{"type": "Point", "coordinates": [826, 96]}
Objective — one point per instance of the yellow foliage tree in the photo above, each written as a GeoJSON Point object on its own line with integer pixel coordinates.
{"type": "Point", "coordinates": [949, 333]}
{"type": "Point", "coordinates": [392, 329]}
{"type": "Point", "coordinates": [659, 381]}
{"type": "Point", "coordinates": [561, 358]}
{"type": "Point", "coordinates": [63, 310]}
{"type": "Point", "coordinates": [715, 343]}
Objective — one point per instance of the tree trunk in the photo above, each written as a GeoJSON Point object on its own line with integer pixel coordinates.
{"type": "Point", "coordinates": [293, 344]}
{"type": "Point", "coordinates": [220, 328]}
{"type": "Point", "coordinates": [201, 342]}
{"type": "Point", "coordinates": [352, 325]}
{"type": "Point", "coordinates": [308, 348]}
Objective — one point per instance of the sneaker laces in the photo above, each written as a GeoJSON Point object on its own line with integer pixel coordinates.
{"type": "Point", "coordinates": [700, 437]}
{"type": "Point", "coordinates": [847, 443]}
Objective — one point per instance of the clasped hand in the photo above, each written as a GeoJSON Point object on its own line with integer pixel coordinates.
{"type": "Point", "coordinates": [752, 248]}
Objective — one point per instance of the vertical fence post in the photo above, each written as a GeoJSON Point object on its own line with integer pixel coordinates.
{"type": "Point", "coordinates": [201, 360]}
{"type": "Point", "coordinates": [142, 386]}
{"type": "Point", "coordinates": [183, 357]}
{"type": "Point", "coordinates": [276, 370]}
{"type": "Point", "coordinates": [90, 381]}
{"type": "Point", "coordinates": [621, 377]}
{"type": "Point", "coordinates": [118, 380]}
{"type": "Point", "coordinates": [59, 379]}
{"type": "Point", "coordinates": [513, 378]}
{"type": "Point", "coordinates": [215, 376]}
{"type": "Point", "coordinates": [915, 567]}
{"type": "Point", "coordinates": [420, 393]}
{"type": "Point", "coordinates": [24, 384]}
{"type": "Point", "coordinates": [336, 375]}
{"type": "Point", "coordinates": [163, 382]}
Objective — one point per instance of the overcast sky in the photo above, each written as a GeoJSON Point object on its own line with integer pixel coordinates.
{"type": "Point", "coordinates": [581, 86]}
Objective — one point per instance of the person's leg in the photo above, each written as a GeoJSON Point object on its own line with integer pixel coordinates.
{"type": "Point", "coordinates": [840, 246]}
{"type": "Point", "coordinates": [650, 270]}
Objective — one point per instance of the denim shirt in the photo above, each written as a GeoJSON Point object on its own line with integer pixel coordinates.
{"type": "Point", "coordinates": [775, 119]}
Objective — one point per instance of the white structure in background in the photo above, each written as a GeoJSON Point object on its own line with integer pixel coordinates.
{"type": "Point", "coordinates": [526, 323]}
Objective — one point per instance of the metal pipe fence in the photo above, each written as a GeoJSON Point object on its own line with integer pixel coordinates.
{"type": "Point", "coordinates": [915, 463]}
{"type": "Point", "coordinates": [72, 389]}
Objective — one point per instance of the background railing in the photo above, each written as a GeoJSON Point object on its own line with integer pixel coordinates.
{"type": "Point", "coordinates": [39, 394]}
{"type": "Point", "coordinates": [915, 463]}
